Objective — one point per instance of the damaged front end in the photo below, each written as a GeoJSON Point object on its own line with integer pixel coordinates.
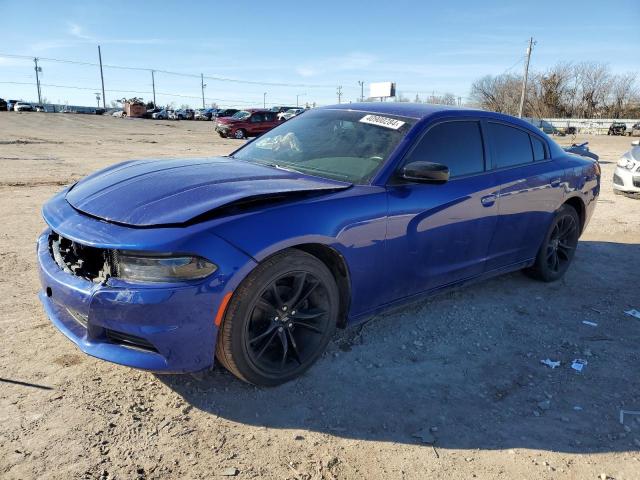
{"type": "Point", "coordinates": [159, 324]}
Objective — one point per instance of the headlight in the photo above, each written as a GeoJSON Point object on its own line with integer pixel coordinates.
{"type": "Point", "coordinates": [142, 268]}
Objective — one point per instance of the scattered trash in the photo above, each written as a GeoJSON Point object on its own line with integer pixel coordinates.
{"type": "Point", "coordinates": [634, 313]}
{"type": "Point", "coordinates": [591, 324]}
{"type": "Point", "coordinates": [578, 364]}
{"type": "Point", "coordinates": [230, 472]}
{"type": "Point", "coordinates": [577, 408]}
{"type": "Point", "coordinates": [550, 363]}
{"type": "Point", "coordinates": [627, 412]}
{"type": "Point", "coordinates": [425, 436]}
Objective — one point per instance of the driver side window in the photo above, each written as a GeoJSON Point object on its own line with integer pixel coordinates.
{"type": "Point", "coordinates": [456, 144]}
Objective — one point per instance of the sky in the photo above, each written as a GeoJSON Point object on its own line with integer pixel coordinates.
{"type": "Point", "coordinates": [277, 52]}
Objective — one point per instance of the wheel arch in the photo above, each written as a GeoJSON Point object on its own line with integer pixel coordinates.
{"type": "Point", "coordinates": [338, 267]}
{"type": "Point", "coordinates": [578, 204]}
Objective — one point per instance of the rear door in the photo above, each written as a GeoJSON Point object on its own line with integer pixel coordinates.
{"type": "Point", "coordinates": [256, 123]}
{"type": "Point", "coordinates": [530, 189]}
{"type": "Point", "coordinates": [439, 234]}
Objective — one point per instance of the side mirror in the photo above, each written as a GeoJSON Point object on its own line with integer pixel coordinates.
{"type": "Point", "coordinates": [635, 143]}
{"type": "Point", "coordinates": [425, 172]}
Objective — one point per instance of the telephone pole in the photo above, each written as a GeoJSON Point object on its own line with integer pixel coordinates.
{"type": "Point", "coordinates": [361, 83]}
{"type": "Point", "coordinates": [339, 93]}
{"type": "Point", "coordinates": [38, 69]}
{"type": "Point", "coordinates": [525, 78]}
{"type": "Point", "coordinates": [202, 84]}
{"type": "Point", "coordinates": [264, 100]}
{"type": "Point", "coordinates": [153, 87]}
{"type": "Point", "coordinates": [104, 100]}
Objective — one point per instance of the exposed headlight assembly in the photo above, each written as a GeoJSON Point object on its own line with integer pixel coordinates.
{"type": "Point", "coordinates": [157, 268]}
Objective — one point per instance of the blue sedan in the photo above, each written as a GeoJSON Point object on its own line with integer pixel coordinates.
{"type": "Point", "coordinates": [324, 221]}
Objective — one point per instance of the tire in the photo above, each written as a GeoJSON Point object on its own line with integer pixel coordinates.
{"type": "Point", "coordinates": [268, 346]}
{"type": "Point", "coordinates": [559, 246]}
{"type": "Point", "coordinates": [240, 134]}
{"type": "Point", "coordinates": [223, 135]}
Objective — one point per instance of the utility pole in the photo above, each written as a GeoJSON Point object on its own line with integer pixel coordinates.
{"type": "Point", "coordinates": [525, 78]}
{"type": "Point", "coordinates": [98, 98]}
{"type": "Point", "coordinates": [298, 98]}
{"type": "Point", "coordinates": [361, 83]}
{"type": "Point", "coordinates": [38, 70]}
{"type": "Point", "coordinates": [203, 85]}
{"type": "Point", "coordinates": [153, 86]}
{"type": "Point", "coordinates": [339, 93]}
{"type": "Point", "coordinates": [104, 99]}
{"type": "Point", "coordinates": [264, 99]}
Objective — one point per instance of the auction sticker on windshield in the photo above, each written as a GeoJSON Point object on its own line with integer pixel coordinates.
{"type": "Point", "coordinates": [382, 121]}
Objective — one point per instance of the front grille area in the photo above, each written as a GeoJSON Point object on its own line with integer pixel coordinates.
{"type": "Point", "coordinates": [93, 264]}
{"type": "Point", "coordinates": [129, 340]}
{"type": "Point", "coordinates": [617, 180]}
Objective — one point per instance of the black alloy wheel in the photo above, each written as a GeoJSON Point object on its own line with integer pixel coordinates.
{"type": "Point", "coordinates": [280, 319]}
{"type": "Point", "coordinates": [559, 246]}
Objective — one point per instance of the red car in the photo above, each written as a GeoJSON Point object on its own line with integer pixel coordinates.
{"type": "Point", "coordinates": [247, 123]}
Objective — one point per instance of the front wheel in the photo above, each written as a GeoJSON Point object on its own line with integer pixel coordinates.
{"type": "Point", "coordinates": [558, 247]}
{"type": "Point", "coordinates": [279, 320]}
{"type": "Point", "coordinates": [239, 134]}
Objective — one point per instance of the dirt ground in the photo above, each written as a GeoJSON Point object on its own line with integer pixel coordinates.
{"type": "Point", "coordinates": [462, 370]}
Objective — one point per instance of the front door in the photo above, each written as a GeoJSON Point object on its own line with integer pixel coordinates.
{"type": "Point", "coordinates": [439, 234]}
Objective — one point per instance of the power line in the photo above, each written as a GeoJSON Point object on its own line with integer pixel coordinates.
{"type": "Point", "coordinates": [169, 72]}
{"type": "Point", "coordinates": [140, 92]}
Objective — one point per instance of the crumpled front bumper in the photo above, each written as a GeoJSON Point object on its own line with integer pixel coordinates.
{"type": "Point", "coordinates": [108, 321]}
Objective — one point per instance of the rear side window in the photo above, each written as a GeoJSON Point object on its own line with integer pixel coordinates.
{"type": "Point", "coordinates": [510, 146]}
{"type": "Point", "coordinates": [458, 145]}
{"type": "Point", "coordinates": [538, 149]}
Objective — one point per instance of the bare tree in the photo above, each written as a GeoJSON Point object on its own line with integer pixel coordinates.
{"type": "Point", "coordinates": [586, 89]}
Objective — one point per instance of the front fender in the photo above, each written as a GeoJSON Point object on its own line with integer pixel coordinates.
{"type": "Point", "coordinates": [352, 222]}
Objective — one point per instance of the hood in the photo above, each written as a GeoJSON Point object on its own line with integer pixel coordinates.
{"type": "Point", "coordinates": [169, 192]}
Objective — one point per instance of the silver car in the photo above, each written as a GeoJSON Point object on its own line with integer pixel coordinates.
{"type": "Point", "coordinates": [626, 178]}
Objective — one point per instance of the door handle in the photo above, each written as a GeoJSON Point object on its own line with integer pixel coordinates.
{"type": "Point", "coordinates": [555, 182]}
{"type": "Point", "coordinates": [488, 200]}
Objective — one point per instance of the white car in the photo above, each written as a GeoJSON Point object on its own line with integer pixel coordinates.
{"type": "Point", "coordinates": [292, 112]}
{"type": "Point", "coordinates": [626, 178]}
{"type": "Point", "coordinates": [161, 115]}
{"type": "Point", "coordinates": [23, 107]}
{"type": "Point", "coordinates": [118, 113]}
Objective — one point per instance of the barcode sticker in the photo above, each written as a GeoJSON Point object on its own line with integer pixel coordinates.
{"type": "Point", "coordinates": [381, 121]}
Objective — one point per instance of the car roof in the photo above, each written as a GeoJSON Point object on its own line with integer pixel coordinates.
{"type": "Point", "coordinates": [421, 111]}
{"type": "Point", "coordinates": [403, 109]}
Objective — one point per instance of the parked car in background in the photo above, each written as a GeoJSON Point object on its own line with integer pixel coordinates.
{"type": "Point", "coordinates": [292, 112]}
{"type": "Point", "coordinates": [280, 109]}
{"type": "Point", "coordinates": [161, 115]}
{"type": "Point", "coordinates": [204, 113]}
{"type": "Point", "coordinates": [225, 112]}
{"type": "Point", "coordinates": [3, 105]}
{"type": "Point", "coordinates": [118, 113]}
{"type": "Point", "coordinates": [151, 111]}
{"type": "Point", "coordinates": [635, 130]}
{"type": "Point", "coordinates": [11, 104]}
{"type": "Point", "coordinates": [23, 107]}
{"type": "Point", "coordinates": [617, 128]}
{"type": "Point", "coordinates": [328, 219]}
{"type": "Point", "coordinates": [626, 177]}
{"type": "Point", "coordinates": [41, 108]}
{"type": "Point", "coordinates": [247, 123]}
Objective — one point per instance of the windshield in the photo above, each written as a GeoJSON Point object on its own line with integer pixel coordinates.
{"type": "Point", "coordinates": [337, 144]}
{"type": "Point", "coordinates": [241, 115]}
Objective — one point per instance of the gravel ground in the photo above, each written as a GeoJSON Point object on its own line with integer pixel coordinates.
{"type": "Point", "coordinates": [451, 387]}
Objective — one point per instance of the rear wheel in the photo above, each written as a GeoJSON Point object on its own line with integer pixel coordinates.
{"type": "Point", "coordinates": [279, 320]}
{"type": "Point", "coordinates": [558, 247]}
